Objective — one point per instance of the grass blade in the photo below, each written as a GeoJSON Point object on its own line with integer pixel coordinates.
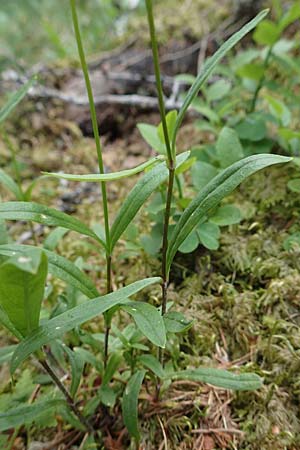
{"type": "Point", "coordinates": [74, 317]}
{"type": "Point", "coordinates": [96, 177]}
{"type": "Point", "coordinates": [15, 99]}
{"type": "Point", "coordinates": [130, 403]}
{"type": "Point", "coordinates": [218, 188]}
{"type": "Point", "coordinates": [210, 65]}
{"type": "Point", "coordinates": [60, 267]}
{"type": "Point", "coordinates": [47, 216]}
{"type": "Point", "coordinates": [221, 378]}
{"type": "Point", "coordinates": [138, 195]}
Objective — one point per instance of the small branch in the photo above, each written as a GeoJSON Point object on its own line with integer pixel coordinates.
{"type": "Point", "coordinates": [86, 424]}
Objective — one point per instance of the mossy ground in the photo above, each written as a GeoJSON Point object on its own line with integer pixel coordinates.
{"type": "Point", "coordinates": [244, 299]}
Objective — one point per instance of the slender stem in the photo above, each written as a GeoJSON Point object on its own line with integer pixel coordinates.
{"type": "Point", "coordinates": [68, 398]}
{"type": "Point", "coordinates": [158, 79]}
{"type": "Point", "coordinates": [99, 152]}
{"type": "Point", "coordinates": [261, 81]}
{"type": "Point", "coordinates": [171, 165]}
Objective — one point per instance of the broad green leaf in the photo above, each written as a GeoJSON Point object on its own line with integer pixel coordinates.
{"type": "Point", "coordinates": [226, 215]}
{"type": "Point", "coordinates": [267, 33]}
{"type": "Point", "coordinates": [218, 188]}
{"type": "Point", "coordinates": [290, 16]}
{"type": "Point", "coordinates": [77, 366]}
{"type": "Point", "coordinates": [292, 241]}
{"type": "Point", "coordinates": [251, 71]}
{"type": "Point", "coordinates": [288, 134]}
{"type": "Point", "coordinates": [148, 320]}
{"type": "Point", "coordinates": [279, 110]}
{"type": "Point", "coordinates": [96, 177]}
{"type": "Point", "coordinates": [202, 172]}
{"type": "Point", "coordinates": [252, 128]}
{"type": "Point", "coordinates": [171, 121]}
{"type": "Point", "coordinates": [153, 364]}
{"type": "Point", "coordinates": [28, 414]}
{"type": "Point", "coordinates": [217, 90]}
{"type": "Point", "coordinates": [186, 78]}
{"type": "Point", "coordinates": [205, 111]}
{"type": "Point", "coordinates": [11, 185]}
{"type": "Point", "coordinates": [150, 135]}
{"type": "Point", "coordinates": [176, 322]}
{"type": "Point", "coordinates": [138, 196]}
{"type": "Point", "coordinates": [6, 322]}
{"type": "Point", "coordinates": [107, 395]}
{"type": "Point", "coordinates": [60, 267]}
{"type": "Point", "coordinates": [6, 353]}
{"type": "Point", "coordinates": [294, 185]}
{"type": "Point", "coordinates": [210, 65]}
{"type": "Point", "coordinates": [130, 403]}
{"type": "Point", "coordinates": [54, 237]}
{"type": "Point", "coordinates": [15, 99]}
{"type": "Point", "coordinates": [209, 235]}
{"type": "Point", "coordinates": [190, 243]}
{"type": "Point", "coordinates": [113, 363]}
{"type": "Point", "coordinates": [59, 325]}
{"type": "Point", "coordinates": [229, 148]}
{"type": "Point", "coordinates": [23, 279]}
{"type": "Point", "coordinates": [47, 216]}
{"type": "Point", "coordinates": [221, 378]}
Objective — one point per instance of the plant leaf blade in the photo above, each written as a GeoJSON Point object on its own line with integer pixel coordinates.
{"type": "Point", "coordinates": [221, 378]}
{"type": "Point", "coordinates": [148, 320]}
{"type": "Point", "coordinates": [47, 216]}
{"type": "Point", "coordinates": [56, 327]}
{"type": "Point", "coordinates": [60, 267]}
{"type": "Point", "coordinates": [138, 195]}
{"type": "Point", "coordinates": [15, 99]}
{"type": "Point", "coordinates": [97, 177]}
{"type": "Point", "coordinates": [23, 279]}
{"type": "Point", "coordinates": [130, 403]}
{"type": "Point", "coordinates": [218, 188]}
{"type": "Point", "coordinates": [209, 66]}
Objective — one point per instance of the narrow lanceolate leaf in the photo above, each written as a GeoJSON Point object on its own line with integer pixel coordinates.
{"type": "Point", "coordinates": [218, 188]}
{"type": "Point", "coordinates": [59, 267]}
{"type": "Point", "coordinates": [6, 353]}
{"type": "Point", "coordinates": [96, 177]}
{"type": "Point", "coordinates": [138, 196]}
{"type": "Point", "coordinates": [22, 287]}
{"type": "Point", "coordinates": [11, 185]}
{"type": "Point", "coordinates": [47, 216]}
{"type": "Point", "coordinates": [27, 414]}
{"type": "Point", "coordinates": [130, 403]}
{"type": "Point", "coordinates": [15, 99]}
{"type": "Point", "coordinates": [153, 364]}
{"type": "Point", "coordinates": [77, 366]}
{"type": "Point", "coordinates": [221, 378]}
{"type": "Point", "coordinates": [210, 65]}
{"type": "Point", "coordinates": [74, 317]}
{"type": "Point", "coordinates": [148, 320]}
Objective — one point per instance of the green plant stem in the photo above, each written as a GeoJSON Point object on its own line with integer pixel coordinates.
{"type": "Point", "coordinates": [171, 164]}
{"type": "Point", "coordinates": [99, 155]}
{"type": "Point", "coordinates": [158, 79]}
{"type": "Point", "coordinates": [86, 424]}
{"type": "Point", "coordinates": [261, 81]}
